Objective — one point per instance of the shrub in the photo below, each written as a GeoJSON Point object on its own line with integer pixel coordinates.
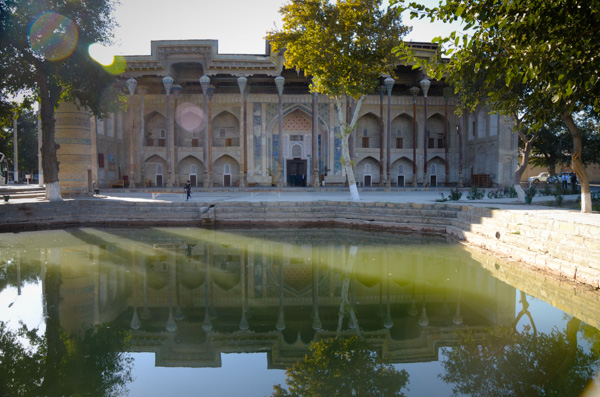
{"type": "Point", "coordinates": [510, 192]}
{"type": "Point", "coordinates": [455, 194]}
{"type": "Point", "coordinates": [475, 194]}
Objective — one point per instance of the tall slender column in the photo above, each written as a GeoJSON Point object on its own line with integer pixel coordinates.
{"type": "Point", "coordinates": [315, 140]}
{"type": "Point", "coordinates": [141, 161]}
{"type": "Point", "coordinates": [381, 90]}
{"type": "Point", "coordinates": [176, 90]}
{"type": "Point", "coordinates": [414, 91]}
{"type": "Point", "coordinates": [389, 85]}
{"type": "Point", "coordinates": [242, 83]}
{"type": "Point", "coordinates": [204, 82]}
{"type": "Point", "coordinates": [211, 91]}
{"type": "Point", "coordinates": [425, 88]}
{"type": "Point", "coordinates": [447, 93]}
{"type": "Point", "coordinates": [39, 148]}
{"type": "Point", "coordinates": [131, 85]}
{"type": "Point", "coordinates": [168, 82]}
{"type": "Point", "coordinates": [16, 148]}
{"type": "Point", "coordinates": [279, 82]}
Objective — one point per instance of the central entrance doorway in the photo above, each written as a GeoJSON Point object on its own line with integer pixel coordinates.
{"type": "Point", "coordinates": [296, 172]}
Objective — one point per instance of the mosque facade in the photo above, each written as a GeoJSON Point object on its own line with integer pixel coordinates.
{"type": "Point", "coordinates": [238, 120]}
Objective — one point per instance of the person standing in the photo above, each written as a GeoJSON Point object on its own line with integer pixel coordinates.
{"type": "Point", "coordinates": [188, 190]}
{"type": "Point", "coordinates": [564, 181]}
{"type": "Point", "coordinates": [573, 182]}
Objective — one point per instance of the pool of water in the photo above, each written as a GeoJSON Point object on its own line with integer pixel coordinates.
{"type": "Point", "coordinates": [188, 311]}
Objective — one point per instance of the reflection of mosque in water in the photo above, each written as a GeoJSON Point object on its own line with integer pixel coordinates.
{"type": "Point", "coordinates": [188, 301]}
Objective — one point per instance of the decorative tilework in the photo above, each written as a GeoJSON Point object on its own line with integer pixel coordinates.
{"type": "Point", "coordinates": [297, 121]}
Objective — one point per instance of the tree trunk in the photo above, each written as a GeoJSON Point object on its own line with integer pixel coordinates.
{"type": "Point", "coordinates": [50, 164]}
{"type": "Point", "coordinates": [522, 166]}
{"type": "Point", "coordinates": [577, 164]}
{"type": "Point", "coordinates": [346, 131]}
{"type": "Point", "coordinates": [345, 305]}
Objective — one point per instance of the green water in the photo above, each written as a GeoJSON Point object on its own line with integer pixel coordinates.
{"type": "Point", "coordinates": [187, 311]}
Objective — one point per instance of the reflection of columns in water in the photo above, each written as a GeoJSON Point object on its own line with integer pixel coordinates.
{"type": "Point", "coordinates": [388, 323]}
{"type": "Point", "coordinates": [413, 311]}
{"type": "Point", "coordinates": [317, 326]}
{"type": "Point", "coordinates": [457, 319]}
{"type": "Point", "coordinates": [207, 324]}
{"type": "Point", "coordinates": [171, 326]}
{"type": "Point", "coordinates": [178, 313]}
{"type": "Point", "coordinates": [18, 260]}
{"type": "Point", "coordinates": [135, 320]}
{"type": "Point", "coordinates": [423, 319]}
{"type": "Point", "coordinates": [146, 313]}
{"type": "Point", "coordinates": [244, 320]}
{"type": "Point", "coordinates": [281, 319]}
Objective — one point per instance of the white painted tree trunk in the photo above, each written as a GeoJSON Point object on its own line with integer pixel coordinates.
{"type": "Point", "coordinates": [345, 305]}
{"type": "Point", "coordinates": [53, 192]}
{"type": "Point", "coordinates": [520, 193]}
{"type": "Point", "coordinates": [345, 132]}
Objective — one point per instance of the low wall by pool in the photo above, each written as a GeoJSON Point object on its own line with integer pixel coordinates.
{"type": "Point", "coordinates": [565, 248]}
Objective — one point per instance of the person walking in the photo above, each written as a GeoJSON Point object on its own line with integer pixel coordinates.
{"type": "Point", "coordinates": [188, 190]}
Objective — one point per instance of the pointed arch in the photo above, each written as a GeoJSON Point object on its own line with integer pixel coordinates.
{"type": "Point", "coordinates": [367, 131]}
{"type": "Point", "coordinates": [226, 130]}
{"type": "Point", "coordinates": [155, 124]}
{"type": "Point", "coordinates": [226, 171]}
{"type": "Point", "coordinates": [402, 132]}
{"type": "Point", "coordinates": [192, 169]}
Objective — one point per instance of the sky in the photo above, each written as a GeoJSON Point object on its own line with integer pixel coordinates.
{"type": "Point", "coordinates": [239, 25]}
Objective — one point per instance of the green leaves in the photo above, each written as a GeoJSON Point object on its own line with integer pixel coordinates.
{"type": "Point", "coordinates": [344, 46]}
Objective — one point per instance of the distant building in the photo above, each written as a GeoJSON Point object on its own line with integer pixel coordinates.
{"type": "Point", "coordinates": [224, 138]}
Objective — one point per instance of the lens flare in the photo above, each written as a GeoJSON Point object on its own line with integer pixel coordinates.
{"type": "Point", "coordinates": [118, 65]}
{"type": "Point", "coordinates": [190, 117]}
{"type": "Point", "coordinates": [53, 36]}
{"type": "Point", "coordinates": [112, 64]}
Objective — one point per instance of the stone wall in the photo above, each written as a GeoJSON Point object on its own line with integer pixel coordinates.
{"type": "Point", "coordinates": [566, 247]}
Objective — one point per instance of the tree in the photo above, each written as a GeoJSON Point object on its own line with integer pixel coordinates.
{"type": "Point", "coordinates": [554, 146]}
{"type": "Point", "coordinates": [342, 367]}
{"type": "Point", "coordinates": [345, 47]}
{"type": "Point", "coordinates": [26, 140]}
{"type": "Point", "coordinates": [473, 87]}
{"type": "Point", "coordinates": [44, 56]}
{"type": "Point", "coordinates": [507, 363]}
{"type": "Point", "coordinates": [550, 45]}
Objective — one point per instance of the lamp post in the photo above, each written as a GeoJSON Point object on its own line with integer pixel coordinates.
{"type": "Point", "coordinates": [131, 85]}
{"type": "Point", "coordinates": [176, 90]}
{"type": "Point", "coordinates": [425, 83]}
{"type": "Point", "coordinates": [279, 82]}
{"type": "Point", "coordinates": [242, 82]}
{"type": "Point", "coordinates": [415, 91]}
{"type": "Point", "coordinates": [381, 90]}
{"type": "Point", "coordinates": [168, 83]}
{"type": "Point", "coordinates": [389, 85]}
{"type": "Point", "coordinates": [204, 82]}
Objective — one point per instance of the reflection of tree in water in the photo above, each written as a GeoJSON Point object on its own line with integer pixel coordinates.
{"type": "Point", "coordinates": [342, 367]}
{"type": "Point", "coordinates": [57, 364]}
{"type": "Point", "coordinates": [527, 363]}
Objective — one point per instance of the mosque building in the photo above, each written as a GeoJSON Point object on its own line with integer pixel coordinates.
{"type": "Point", "coordinates": [240, 120]}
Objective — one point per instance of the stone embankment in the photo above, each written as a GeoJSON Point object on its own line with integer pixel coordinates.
{"type": "Point", "coordinates": [562, 246]}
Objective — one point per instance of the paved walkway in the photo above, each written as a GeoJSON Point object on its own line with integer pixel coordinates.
{"type": "Point", "coordinates": [394, 195]}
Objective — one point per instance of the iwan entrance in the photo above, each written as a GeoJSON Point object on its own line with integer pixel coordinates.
{"type": "Point", "coordinates": [296, 172]}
